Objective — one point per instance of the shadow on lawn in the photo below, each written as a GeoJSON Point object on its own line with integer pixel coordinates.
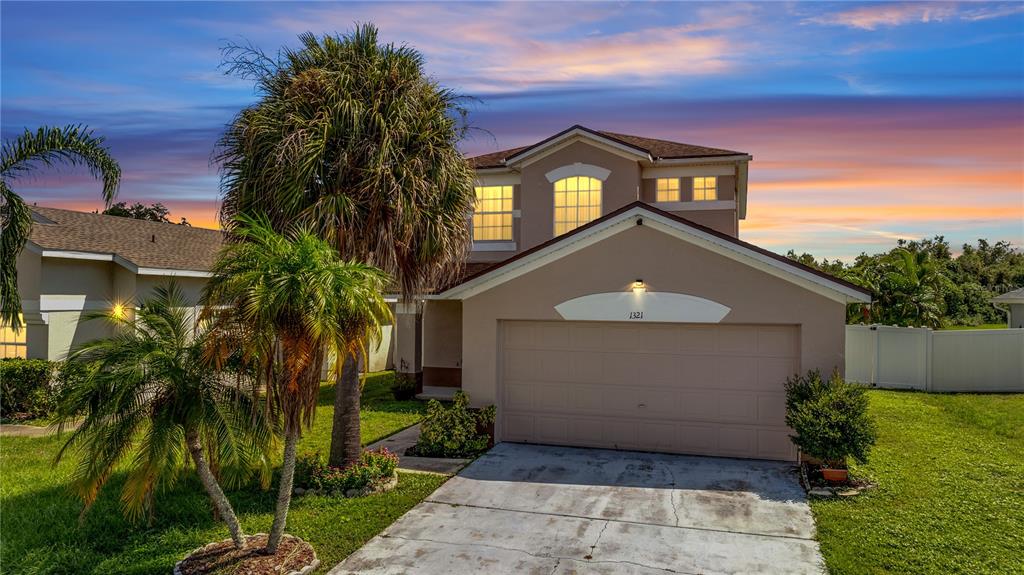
{"type": "Point", "coordinates": [42, 533]}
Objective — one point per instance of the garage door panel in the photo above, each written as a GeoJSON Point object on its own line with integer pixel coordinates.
{"type": "Point", "coordinates": [696, 340]}
{"type": "Point", "coordinates": [772, 370]}
{"type": "Point", "coordinates": [735, 340]}
{"type": "Point", "coordinates": [702, 389]}
{"type": "Point", "coordinates": [736, 372]}
{"type": "Point", "coordinates": [518, 396]}
{"type": "Point", "coordinates": [776, 341]}
{"type": "Point", "coordinates": [771, 409]}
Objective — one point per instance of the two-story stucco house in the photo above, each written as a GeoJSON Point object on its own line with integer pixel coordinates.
{"type": "Point", "coordinates": [610, 303]}
{"type": "Point", "coordinates": [607, 300]}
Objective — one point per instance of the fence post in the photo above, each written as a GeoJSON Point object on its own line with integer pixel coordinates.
{"type": "Point", "coordinates": [874, 356]}
{"type": "Point", "coordinates": [928, 359]}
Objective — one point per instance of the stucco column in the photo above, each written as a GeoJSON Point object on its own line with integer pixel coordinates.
{"type": "Point", "coordinates": [409, 341]}
{"type": "Point", "coordinates": [37, 336]}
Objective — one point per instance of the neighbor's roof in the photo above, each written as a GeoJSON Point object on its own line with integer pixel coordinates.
{"type": "Point", "coordinates": [657, 149]}
{"type": "Point", "coordinates": [142, 243]}
{"type": "Point", "coordinates": [1015, 296]}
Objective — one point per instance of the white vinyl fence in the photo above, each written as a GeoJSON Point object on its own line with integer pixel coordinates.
{"type": "Point", "coordinates": [919, 358]}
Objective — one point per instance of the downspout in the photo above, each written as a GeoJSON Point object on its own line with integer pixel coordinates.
{"type": "Point", "coordinates": [1005, 311]}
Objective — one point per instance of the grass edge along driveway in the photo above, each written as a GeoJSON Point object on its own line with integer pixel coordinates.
{"type": "Point", "coordinates": [39, 517]}
{"type": "Point", "coordinates": [949, 499]}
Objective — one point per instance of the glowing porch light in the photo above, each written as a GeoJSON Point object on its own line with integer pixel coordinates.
{"type": "Point", "coordinates": [639, 286]}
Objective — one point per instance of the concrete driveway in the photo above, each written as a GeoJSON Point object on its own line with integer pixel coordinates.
{"type": "Point", "coordinates": [547, 510]}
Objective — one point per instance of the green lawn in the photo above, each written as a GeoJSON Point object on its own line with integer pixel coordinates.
{"type": "Point", "coordinates": [950, 494]}
{"type": "Point", "coordinates": [39, 518]}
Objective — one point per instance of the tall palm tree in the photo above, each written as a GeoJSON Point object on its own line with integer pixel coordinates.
{"type": "Point", "coordinates": [47, 146]}
{"type": "Point", "coordinates": [354, 140]}
{"type": "Point", "coordinates": [294, 299]}
{"type": "Point", "coordinates": [150, 398]}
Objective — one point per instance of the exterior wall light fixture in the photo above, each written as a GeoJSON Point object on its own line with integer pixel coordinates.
{"type": "Point", "coordinates": [639, 286]}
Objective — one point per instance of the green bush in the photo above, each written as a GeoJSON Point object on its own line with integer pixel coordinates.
{"type": "Point", "coordinates": [403, 387]}
{"type": "Point", "coordinates": [26, 389]}
{"type": "Point", "coordinates": [455, 431]}
{"type": "Point", "coordinates": [312, 472]}
{"type": "Point", "coordinates": [830, 418]}
{"type": "Point", "coordinates": [31, 388]}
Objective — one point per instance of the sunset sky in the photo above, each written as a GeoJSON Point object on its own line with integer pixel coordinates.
{"type": "Point", "coordinates": [867, 122]}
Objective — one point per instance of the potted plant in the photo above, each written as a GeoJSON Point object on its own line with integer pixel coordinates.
{"type": "Point", "coordinates": [830, 421]}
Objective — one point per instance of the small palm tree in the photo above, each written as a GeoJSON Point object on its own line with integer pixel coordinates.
{"type": "Point", "coordinates": [911, 288]}
{"type": "Point", "coordinates": [149, 398]}
{"type": "Point", "coordinates": [353, 138]}
{"type": "Point", "coordinates": [72, 145]}
{"type": "Point", "coordinates": [294, 300]}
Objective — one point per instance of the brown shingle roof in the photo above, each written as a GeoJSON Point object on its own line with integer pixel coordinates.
{"type": "Point", "coordinates": [143, 243]}
{"type": "Point", "coordinates": [659, 149]}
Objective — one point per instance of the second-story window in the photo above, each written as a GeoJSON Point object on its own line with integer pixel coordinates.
{"type": "Point", "coordinates": [577, 202]}
{"type": "Point", "coordinates": [492, 219]}
{"type": "Point", "coordinates": [668, 190]}
{"type": "Point", "coordinates": [705, 188]}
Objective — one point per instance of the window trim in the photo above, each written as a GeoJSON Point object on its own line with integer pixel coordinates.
{"type": "Point", "coordinates": [511, 213]}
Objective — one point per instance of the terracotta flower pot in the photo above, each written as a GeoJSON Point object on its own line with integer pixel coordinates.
{"type": "Point", "coordinates": [835, 475]}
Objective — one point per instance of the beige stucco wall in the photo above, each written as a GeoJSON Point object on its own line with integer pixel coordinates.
{"type": "Point", "coordinates": [666, 264]}
{"type": "Point", "coordinates": [724, 221]}
{"type": "Point", "coordinates": [620, 188]}
{"type": "Point", "coordinates": [442, 333]}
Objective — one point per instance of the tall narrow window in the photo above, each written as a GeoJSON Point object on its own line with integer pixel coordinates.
{"type": "Point", "coordinates": [705, 188]}
{"type": "Point", "coordinates": [492, 219]}
{"type": "Point", "coordinates": [13, 344]}
{"type": "Point", "coordinates": [577, 202]}
{"type": "Point", "coordinates": [668, 190]}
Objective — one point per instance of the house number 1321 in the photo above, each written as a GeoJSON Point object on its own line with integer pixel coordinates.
{"type": "Point", "coordinates": [636, 315]}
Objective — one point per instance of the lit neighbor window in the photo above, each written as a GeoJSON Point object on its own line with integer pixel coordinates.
{"type": "Point", "coordinates": [705, 188]}
{"type": "Point", "coordinates": [668, 190]}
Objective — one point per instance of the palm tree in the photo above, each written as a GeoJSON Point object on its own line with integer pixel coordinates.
{"type": "Point", "coordinates": [352, 139]}
{"type": "Point", "coordinates": [150, 398]}
{"type": "Point", "coordinates": [911, 289]}
{"type": "Point", "coordinates": [71, 145]}
{"type": "Point", "coordinates": [294, 299]}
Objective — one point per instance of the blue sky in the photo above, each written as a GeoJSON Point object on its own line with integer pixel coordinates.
{"type": "Point", "coordinates": [867, 122]}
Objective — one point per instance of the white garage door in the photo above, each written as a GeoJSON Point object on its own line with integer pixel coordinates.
{"type": "Point", "coordinates": [700, 389]}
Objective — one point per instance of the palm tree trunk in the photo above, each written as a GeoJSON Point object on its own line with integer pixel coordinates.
{"type": "Point", "coordinates": [220, 501]}
{"type": "Point", "coordinates": [284, 491]}
{"type": "Point", "coordinates": [346, 442]}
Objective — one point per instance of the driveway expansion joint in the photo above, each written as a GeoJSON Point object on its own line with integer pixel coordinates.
{"type": "Point", "coordinates": [631, 522]}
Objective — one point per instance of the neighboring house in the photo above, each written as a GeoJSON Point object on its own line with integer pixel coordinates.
{"type": "Point", "coordinates": [609, 303]}
{"type": "Point", "coordinates": [607, 300]}
{"type": "Point", "coordinates": [1013, 304]}
{"type": "Point", "coordinates": [76, 263]}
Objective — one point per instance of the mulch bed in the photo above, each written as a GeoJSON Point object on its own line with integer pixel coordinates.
{"type": "Point", "coordinates": [294, 556]}
{"type": "Point", "coordinates": [814, 483]}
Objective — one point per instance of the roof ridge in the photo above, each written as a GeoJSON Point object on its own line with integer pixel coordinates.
{"type": "Point", "coordinates": [136, 221]}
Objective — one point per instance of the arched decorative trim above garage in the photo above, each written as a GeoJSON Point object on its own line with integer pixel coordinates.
{"type": "Point", "coordinates": [640, 307]}
{"type": "Point", "coordinates": [578, 169]}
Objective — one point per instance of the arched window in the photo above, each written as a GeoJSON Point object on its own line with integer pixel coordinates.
{"type": "Point", "coordinates": [577, 202]}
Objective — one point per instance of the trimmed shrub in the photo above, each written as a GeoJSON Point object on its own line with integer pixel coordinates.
{"type": "Point", "coordinates": [26, 389]}
{"type": "Point", "coordinates": [830, 418]}
{"type": "Point", "coordinates": [31, 388]}
{"type": "Point", "coordinates": [312, 472]}
{"type": "Point", "coordinates": [453, 431]}
{"type": "Point", "coordinates": [403, 387]}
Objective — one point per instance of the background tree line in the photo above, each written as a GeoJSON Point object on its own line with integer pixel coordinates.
{"type": "Point", "coordinates": [923, 284]}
